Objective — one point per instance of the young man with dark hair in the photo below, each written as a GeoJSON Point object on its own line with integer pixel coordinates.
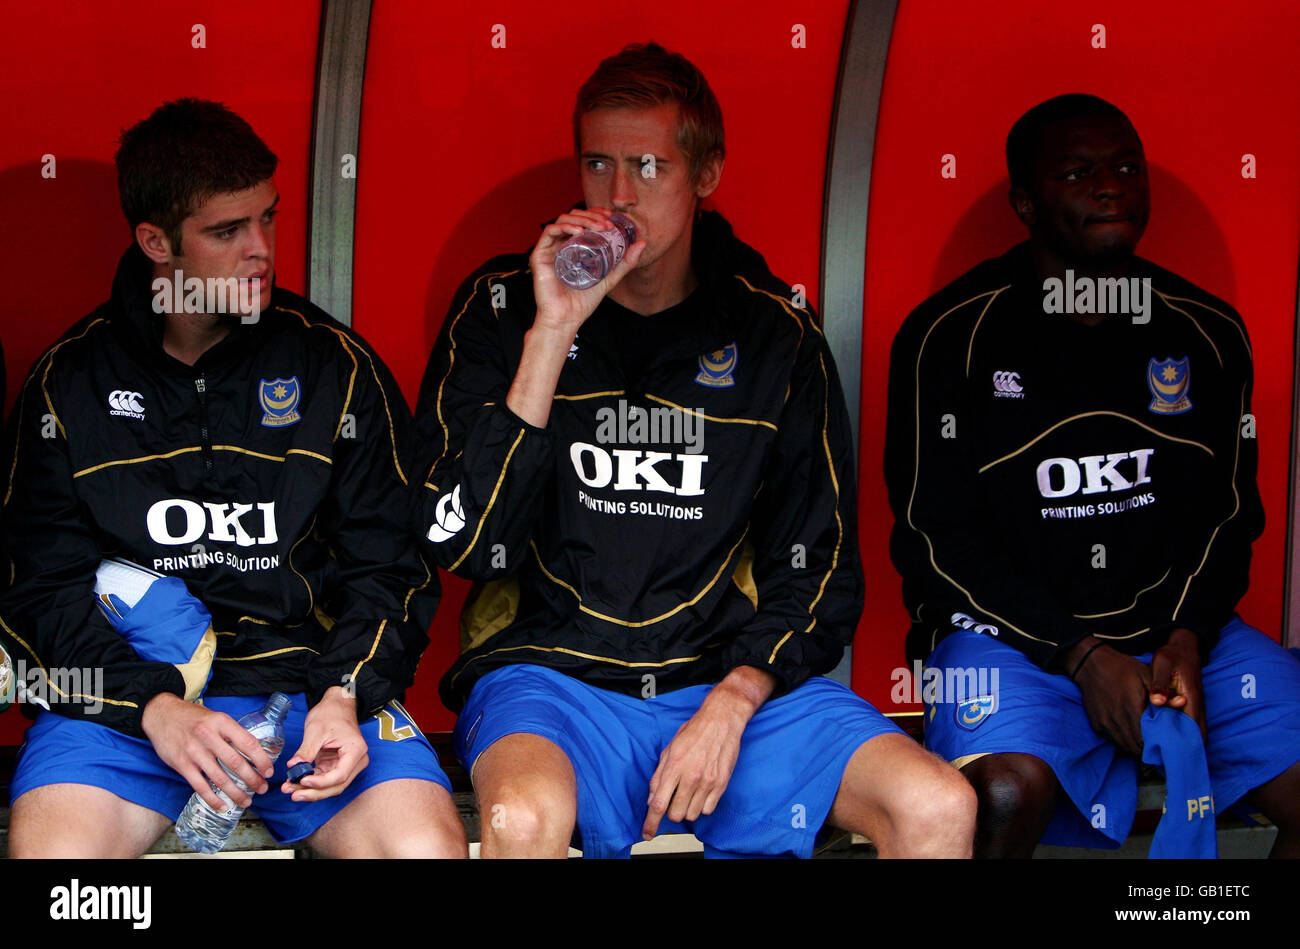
{"type": "Point", "coordinates": [652, 481]}
{"type": "Point", "coordinates": [256, 449]}
{"type": "Point", "coordinates": [1071, 464]}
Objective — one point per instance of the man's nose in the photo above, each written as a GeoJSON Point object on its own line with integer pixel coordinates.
{"type": "Point", "coordinates": [1108, 184]}
{"type": "Point", "coordinates": [261, 240]}
{"type": "Point", "coordinates": [623, 190]}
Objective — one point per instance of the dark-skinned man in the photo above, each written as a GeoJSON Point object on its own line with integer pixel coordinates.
{"type": "Point", "coordinates": [1072, 474]}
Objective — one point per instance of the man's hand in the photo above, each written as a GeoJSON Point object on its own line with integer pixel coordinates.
{"type": "Point", "coordinates": [562, 308]}
{"type": "Point", "coordinates": [1176, 676]}
{"type": "Point", "coordinates": [1114, 688]}
{"type": "Point", "coordinates": [332, 739]}
{"type": "Point", "coordinates": [191, 740]}
{"type": "Point", "coordinates": [696, 766]}
{"type": "Point", "coordinates": [561, 311]}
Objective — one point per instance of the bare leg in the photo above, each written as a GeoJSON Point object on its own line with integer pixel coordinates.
{"type": "Point", "coordinates": [1017, 795]}
{"type": "Point", "coordinates": [527, 796]}
{"type": "Point", "coordinates": [80, 821]}
{"type": "Point", "coordinates": [405, 817]}
{"type": "Point", "coordinates": [1279, 800]}
{"type": "Point", "coordinates": [908, 801]}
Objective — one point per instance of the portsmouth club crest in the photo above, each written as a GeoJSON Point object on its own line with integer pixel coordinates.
{"type": "Point", "coordinates": [1169, 381]}
{"type": "Point", "coordinates": [279, 398]}
{"type": "Point", "coordinates": [972, 713]}
{"type": "Point", "coordinates": [716, 367]}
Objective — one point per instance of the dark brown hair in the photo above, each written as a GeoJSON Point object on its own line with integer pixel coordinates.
{"type": "Point", "coordinates": [181, 155]}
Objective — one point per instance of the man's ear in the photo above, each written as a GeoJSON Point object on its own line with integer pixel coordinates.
{"type": "Point", "coordinates": [1023, 204]}
{"type": "Point", "coordinates": [710, 176]}
{"type": "Point", "coordinates": [154, 242]}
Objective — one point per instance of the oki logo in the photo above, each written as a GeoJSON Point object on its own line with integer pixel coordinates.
{"type": "Point", "coordinates": [1061, 477]}
{"type": "Point", "coordinates": [225, 520]}
{"type": "Point", "coordinates": [636, 469]}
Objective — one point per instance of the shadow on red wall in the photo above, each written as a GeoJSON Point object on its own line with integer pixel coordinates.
{"type": "Point", "coordinates": [989, 227]}
{"type": "Point", "coordinates": [507, 219]}
{"type": "Point", "coordinates": [79, 224]}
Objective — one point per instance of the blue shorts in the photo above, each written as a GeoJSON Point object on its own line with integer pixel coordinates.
{"type": "Point", "coordinates": [792, 756]}
{"type": "Point", "coordinates": [60, 750]}
{"type": "Point", "coordinates": [1252, 708]}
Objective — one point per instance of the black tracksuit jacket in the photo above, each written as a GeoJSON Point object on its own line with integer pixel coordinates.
{"type": "Point", "coordinates": [1071, 498]}
{"type": "Point", "coordinates": [634, 564]}
{"type": "Point", "coordinates": [290, 522]}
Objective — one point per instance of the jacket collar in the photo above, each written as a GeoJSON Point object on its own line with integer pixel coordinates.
{"type": "Point", "coordinates": [717, 257]}
{"type": "Point", "coordinates": [1016, 267]}
{"type": "Point", "coordinates": [132, 316]}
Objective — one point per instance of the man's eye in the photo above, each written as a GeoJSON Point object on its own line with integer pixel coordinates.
{"type": "Point", "coordinates": [270, 216]}
{"type": "Point", "coordinates": [227, 234]}
{"type": "Point", "coordinates": [1130, 168]}
{"type": "Point", "coordinates": [596, 164]}
{"type": "Point", "coordinates": [1074, 174]}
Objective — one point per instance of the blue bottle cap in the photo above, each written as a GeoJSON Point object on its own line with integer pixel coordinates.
{"type": "Point", "coordinates": [301, 770]}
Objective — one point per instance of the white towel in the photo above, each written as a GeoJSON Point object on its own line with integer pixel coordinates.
{"type": "Point", "coordinates": [125, 580]}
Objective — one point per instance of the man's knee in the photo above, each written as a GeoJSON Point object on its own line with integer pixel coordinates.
{"type": "Point", "coordinates": [440, 837]}
{"type": "Point", "coordinates": [941, 821]}
{"type": "Point", "coordinates": [1279, 799]}
{"type": "Point", "coordinates": [950, 802]}
{"type": "Point", "coordinates": [532, 814]}
{"type": "Point", "coordinates": [1013, 790]}
{"type": "Point", "coordinates": [528, 821]}
{"type": "Point", "coordinates": [908, 801]}
{"type": "Point", "coordinates": [527, 796]}
{"type": "Point", "coordinates": [431, 828]}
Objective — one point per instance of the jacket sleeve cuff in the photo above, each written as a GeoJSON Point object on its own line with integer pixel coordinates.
{"type": "Point", "coordinates": [788, 677]}
{"type": "Point", "coordinates": [370, 691]}
{"type": "Point", "coordinates": [1205, 631]}
{"type": "Point", "coordinates": [515, 420]}
{"type": "Point", "coordinates": [131, 720]}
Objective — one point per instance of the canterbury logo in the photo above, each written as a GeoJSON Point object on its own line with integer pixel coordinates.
{"type": "Point", "coordinates": [125, 403]}
{"type": "Point", "coordinates": [1007, 385]}
{"type": "Point", "coordinates": [449, 517]}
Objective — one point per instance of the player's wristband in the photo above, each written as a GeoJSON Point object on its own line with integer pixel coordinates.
{"type": "Point", "coordinates": [1095, 647]}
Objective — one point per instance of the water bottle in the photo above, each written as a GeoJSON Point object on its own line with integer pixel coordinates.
{"type": "Point", "coordinates": [200, 827]}
{"type": "Point", "coordinates": [585, 259]}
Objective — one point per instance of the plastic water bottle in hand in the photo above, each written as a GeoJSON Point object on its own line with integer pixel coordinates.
{"type": "Point", "coordinates": [586, 258]}
{"type": "Point", "coordinates": [200, 827]}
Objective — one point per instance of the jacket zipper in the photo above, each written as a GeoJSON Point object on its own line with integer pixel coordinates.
{"type": "Point", "coordinates": [201, 387]}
